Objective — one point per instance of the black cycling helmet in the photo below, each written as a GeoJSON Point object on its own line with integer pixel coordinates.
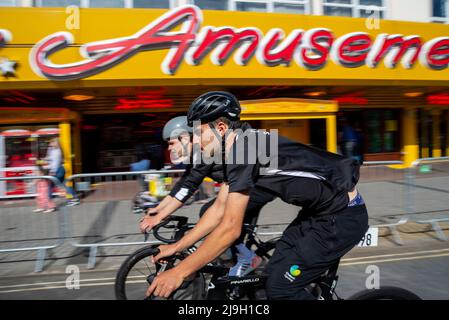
{"type": "Point", "coordinates": [213, 105]}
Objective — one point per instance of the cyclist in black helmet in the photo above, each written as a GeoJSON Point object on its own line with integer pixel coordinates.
{"type": "Point", "coordinates": [178, 136]}
{"type": "Point", "coordinates": [333, 216]}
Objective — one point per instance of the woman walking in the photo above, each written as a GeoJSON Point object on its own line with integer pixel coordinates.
{"type": "Point", "coordinates": [55, 166]}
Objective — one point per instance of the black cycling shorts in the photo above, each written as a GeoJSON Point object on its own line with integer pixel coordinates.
{"type": "Point", "coordinates": [309, 247]}
{"type": "Point", "coordinates": [258, 199]}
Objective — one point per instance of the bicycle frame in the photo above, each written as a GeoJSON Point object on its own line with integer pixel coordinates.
{"type": "Point", "coordinates": [220, 285]}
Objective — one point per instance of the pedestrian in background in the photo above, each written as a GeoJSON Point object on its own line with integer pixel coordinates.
{"type": "Point", "coordinates": [44, 202]}
{"type": "Point", "coordinates": [55, 165]}
{"type": "Point", "coordinates": [348, 139]}
{"type": "Point", "coordinates": [142, 164]}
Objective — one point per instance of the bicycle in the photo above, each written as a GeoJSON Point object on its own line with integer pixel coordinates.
{"type": "Point", "coordinates": [179, 226]}
{"type": "Point", "coordinates": [212, 281]}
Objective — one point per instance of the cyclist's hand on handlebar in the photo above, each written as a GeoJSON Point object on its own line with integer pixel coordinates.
{"type": "Point", "coordinates": [165, 250]}
{"type": "Point", "coordinates": [148, 222]}
{"type": "Point", "coordinates": [165, 283]}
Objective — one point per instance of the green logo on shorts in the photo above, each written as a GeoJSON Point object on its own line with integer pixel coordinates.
{"type": "Point", "coordinates": [294, 270]}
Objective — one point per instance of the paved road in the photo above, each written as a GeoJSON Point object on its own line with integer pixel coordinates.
{"type": "Point", "coordinates": [420, 267]}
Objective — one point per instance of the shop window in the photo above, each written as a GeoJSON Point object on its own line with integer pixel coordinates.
{"type": "Point", "coordinates": [107, 3]}
{"type": "Point", "coordinates": [444, 133]}
{"type": "Point", "coordinates": [382, 131]}
{"type": "Point", "coordinates": [354, 8]}
{"type": "Point", "coordinates": [152, 4]}
{"type": "Point", "coordinates": [9, 3]}
{"type": "Point", "coordinates": [23, 150]}
{"type": "Point", "coordinates": [251, 6]}
{"type": "Point", "coordinates": [432, 133]}
{"type": "Point", "coordinates": [114, 142]}
{"type": "Point", "coordinates": [375, 131]}
{"type": "Point", "coordinates": [163, 4]}
{"type": "Point", "coordinates": [279, 6]}
{"type": "Point", "coordinates": [440, 11]}
{"type": "Point", "coordinates": [338, 8]}
{"type": "Point", "coordinates": [212, 4]}
{"type": "Point", "coordinates": [58, 3]}
{"type": "Point", "coordinates": [425, 133]}
{"type": "Point", "coordinates": [299, 7]}
{"type": "Point", "coordinates": [390, 131]}
{"type": "Point", "coordinates": [19, 151]}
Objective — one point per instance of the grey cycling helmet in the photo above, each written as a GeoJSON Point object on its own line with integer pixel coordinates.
{"type": "Point", "coordinates": [175, 128]}
{"type": "Point", "coordinates": [213, 105]}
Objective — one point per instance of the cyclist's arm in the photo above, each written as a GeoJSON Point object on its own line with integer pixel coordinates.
{"type": "Point", "coordinates": [181, 192]}
{"type": "Point", "coordinates": [221, 237]}
{"type": "Point", "coordinates": [165, 202]}
{"type": "Point", "coordinates": [167, 207]}
{"type": "Point", "coordinates": [208, 222]}
{"type": "Point", "coordinates": [190, 182]}
{"type": "Point", "coordinates": [241, 179]}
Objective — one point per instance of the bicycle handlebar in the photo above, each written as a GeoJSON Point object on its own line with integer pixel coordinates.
{"type": "Point", "coordinates": [181, 223]}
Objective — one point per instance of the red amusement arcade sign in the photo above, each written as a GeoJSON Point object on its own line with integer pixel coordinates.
{"type": "Point", "coordinates": [309, 49]}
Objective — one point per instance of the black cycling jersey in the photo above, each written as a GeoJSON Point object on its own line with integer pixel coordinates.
{"type": "Point", "coordinates": [193, 177]}
{"type": "Point", "coordinates": [301, 175]}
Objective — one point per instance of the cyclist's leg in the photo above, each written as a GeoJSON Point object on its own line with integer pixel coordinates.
{"type": "Point", "coordinates": [312, 247]}
{"type": "Point", "coordinates": [257, 200]}
{"type": "Point", "coordinates": [247, 260]}
{"type": "Point", "coordinates": [290, 270]}
{"type": "Point", "coordinates": [252, 212]}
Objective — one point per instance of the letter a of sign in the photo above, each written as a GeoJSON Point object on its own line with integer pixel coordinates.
{"type": "Point", "coordinates": [102, 55]}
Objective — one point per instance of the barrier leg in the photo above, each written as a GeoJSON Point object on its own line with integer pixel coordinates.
{"type": "Point", "coordinates": [92, 257]}
{"type": "Point", "coordinates": [40, 260]}
{"type": "Point", "coordinates": [396, 236]}
{"type": "Point", "coordinates": [439, 232]}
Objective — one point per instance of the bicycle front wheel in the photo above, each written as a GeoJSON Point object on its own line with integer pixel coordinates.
{"type": "Point", "coordinates": [385, 293]}
{"type": "Point", "coordinates": [131, 282]}
{"type": "Point", "coordinates": [138, 271]}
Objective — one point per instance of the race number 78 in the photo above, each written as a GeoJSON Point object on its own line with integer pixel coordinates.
{"type": "Point", "coordinates": [370, 238]}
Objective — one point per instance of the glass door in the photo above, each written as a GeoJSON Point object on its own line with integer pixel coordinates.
{"type": "Point", "coordinates": [20, 152]}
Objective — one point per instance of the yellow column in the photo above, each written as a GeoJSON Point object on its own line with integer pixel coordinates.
{"type": "Point", "coordinates": [77, 165]}
{"type": "Point", "coordinates": [66, 143]}
{"type": "Point", "coordinates": [409, 137]}
{"type": "Point", "coordinates": [447, 133]}
{"type": "Point", "coordinates": [436, 133]}
{"type": "Point", "coordinates": [331, 133]}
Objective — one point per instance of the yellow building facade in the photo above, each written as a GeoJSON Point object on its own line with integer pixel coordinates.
{"type": "Point", "coordinates": [307, 76]}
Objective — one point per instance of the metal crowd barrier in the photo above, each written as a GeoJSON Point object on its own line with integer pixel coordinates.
{"type": "Point", "coordinates": [429, 189]}
{"type": "Point", "coordinates": [22, 230]}
{"type": "Point", "coordinates": [381, 186]}
{"type": "Point", "coordinates": [384, 190]}
{"type": "Point", "coordinates": [415, 195]}
{"type": "Point", "coordinates": [105, 218]}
